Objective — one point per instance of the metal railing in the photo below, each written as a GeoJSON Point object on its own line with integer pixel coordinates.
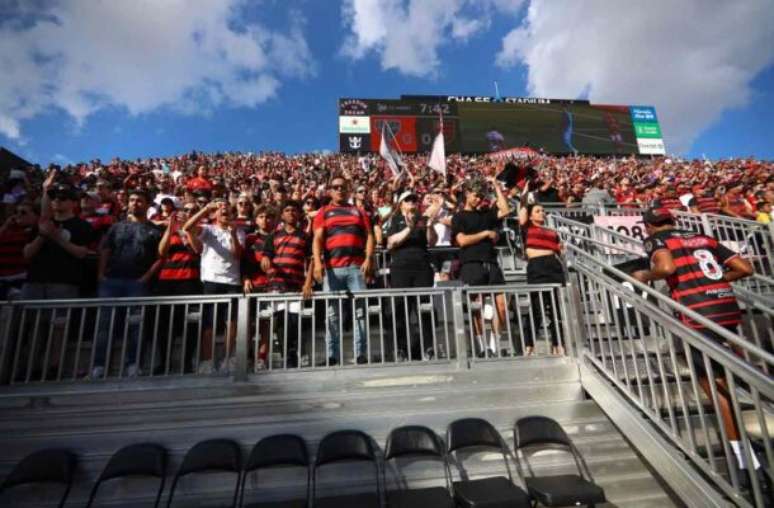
{"type": "Point", "coordinates": [372, 327]}
{"type": "Point", "coordinates": [752, 239]}
{"type": "Point", "coordinates": [508, 321]}
{"type": "Point", "coordinates": [665, 369]}
{"type": "Point", "coordinates": [111, 339]}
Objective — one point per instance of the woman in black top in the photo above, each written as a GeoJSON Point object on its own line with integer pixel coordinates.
{"type": "Point", "coordinates": [542, 248]}
{"type": "Point", "coordinates": [408, 237]}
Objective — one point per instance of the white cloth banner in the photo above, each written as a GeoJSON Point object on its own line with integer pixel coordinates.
{"type": "Point", "coordinates": [438, 155]}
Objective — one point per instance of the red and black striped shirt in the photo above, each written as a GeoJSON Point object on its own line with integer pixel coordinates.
{"type": "Point", "coordinates": [288, 253]}
{"type": "Point", "coordinates": [246, 224]}
{"type": "Point", "coordinates": [541, 238]}
{"type": "Point", "coordinates": [698, 280]}
{"type": "Point", "coordinates": [253, 254]}
{"type": "Point", "coordinates": [12, 262]}
{"type": "Point", "coordinates": [668, 203]}
{"type": "Point", "coordinates": [707, 204]}
{"type": "Point", "coordinates": [346, 231]}
{"type": "Point", "coordinates": [181, 262]}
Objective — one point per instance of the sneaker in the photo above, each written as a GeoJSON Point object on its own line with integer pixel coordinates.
{"type": "Point", "coordinates": [228, 366]}
{"type": "Point", "coordinates": [205, 368]}
{"type": "Point", "coordinates": [259, 366]}
{"type": "Point", "coordinates": [133, 371]}
{"type": "Point", "coordinates": [429, 353]}
{"type": "Point", "coordinates": [361, 360]}
{"type": "Point", "coordinates": [96, 373]}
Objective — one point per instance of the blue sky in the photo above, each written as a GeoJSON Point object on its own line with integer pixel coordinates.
{"type": "Point", "coordinates": [92, 79]}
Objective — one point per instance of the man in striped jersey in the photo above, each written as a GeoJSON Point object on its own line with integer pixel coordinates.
{"type": "Point", "coordinates": [699, 271]}
{"type": "Point", "coordinates": [344, 241]}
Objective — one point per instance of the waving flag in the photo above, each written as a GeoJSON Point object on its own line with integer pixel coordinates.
{"type": "Point", "coordinates": [388, 153]}
{"type": "Point", "coordinates": [438, 155]}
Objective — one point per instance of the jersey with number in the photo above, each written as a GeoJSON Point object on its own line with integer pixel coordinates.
{"type": "Point", "coordinates": [698, 280]}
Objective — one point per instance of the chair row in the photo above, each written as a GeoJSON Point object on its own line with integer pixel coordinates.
{"type": "Point", "coordinates": [413, 442]}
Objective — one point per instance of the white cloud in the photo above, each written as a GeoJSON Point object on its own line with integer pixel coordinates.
{"type": "Point", "coordinates": [142, 55]}
{"type": "Point", "coordinates": [407, 34]}
{"type": "Point", "coordinates": [692, 59]}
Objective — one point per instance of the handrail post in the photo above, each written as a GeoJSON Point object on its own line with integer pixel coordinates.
{"type": "Point", "coordinates": [575, 308]}
{"type": "Point", "coordinates": [242, 334]}
{"type": "Point", "coordinates": [460, 337]}
{"type": "Point", "coordinates": [706, 225]}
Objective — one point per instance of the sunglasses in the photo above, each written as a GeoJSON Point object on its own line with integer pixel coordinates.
{"type": "Point", "coordinates": [201, 201]}
{"type": "Point", "coordinates": [309, 202]}
{"type": "Point", "coordinates": [243, 203]}
{"type": "Point", "coordinates": [339, 187]}
{"type": "Point", "coordinates": [58, 196]}
{"type": "Point", "coordinates": [410, 199]}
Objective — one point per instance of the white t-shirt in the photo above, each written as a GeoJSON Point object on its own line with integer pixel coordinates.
{"type": "Point", "coordinates": [218, 264]}
{"type": "Point", "coordinates": [442, 231]}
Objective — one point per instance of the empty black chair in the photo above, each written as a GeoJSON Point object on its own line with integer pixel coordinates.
{"type": "Point", "coordinates": [214, 455]}
{"type": "Point", "coordinates": [275, 451]}
{"type": "Point", "coordinates": [344, 446]}
{"type": "Point", "coordinates": [559, 490]}
{"type": "Point", "coordinates": [417, 441]}
{"type": "Point", "coordinates": [493, 492]}
{"type": "Point", "coordinates": [143, 459]}
{"type": "Point", "coordinates": [45, 466]}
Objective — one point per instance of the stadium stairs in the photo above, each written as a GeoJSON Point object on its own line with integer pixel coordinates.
{"type": "Point", "coordinates": [97, 419]}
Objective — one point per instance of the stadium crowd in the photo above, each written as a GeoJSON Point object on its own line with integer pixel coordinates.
{"type": "Point", "coordinates": [187, 197]}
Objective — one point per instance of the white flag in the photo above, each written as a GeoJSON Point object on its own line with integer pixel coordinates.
{"type": "Point", "coordinates": [389, 155]}
{"type": "Point", "coordinates": [438, 155]}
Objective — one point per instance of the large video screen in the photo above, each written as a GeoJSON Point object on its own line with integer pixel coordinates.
{"type": "Point", "coordinates": [487, 125]}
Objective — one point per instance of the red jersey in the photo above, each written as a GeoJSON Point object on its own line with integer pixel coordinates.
{"type": "Point", "coordinates": [288, 253]}
{"type": "Point", "coordinates": [12, 242]}
{"type": "Point", "coordinates": [99, 224]}
{"type": "Point", "coordinates": [698, 281]}
{"type": "Point", "coordinates": [198, 183]}
{"type": "Point", "coordinates": [253, 254]}
{"type": "Point", "coordinates": [668, 203]}
{"type": "Point", "coordinates": [541, 238]}
{"type": "Point", "coordinates": [181, 262]}
{"type": "Point", "coordinates": [346, 231]}
{"type": "Point", "coordinates": [706, 204]}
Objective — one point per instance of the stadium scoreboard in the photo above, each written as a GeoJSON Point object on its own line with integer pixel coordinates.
{"type": "Point", "coordinates": [477, 124]}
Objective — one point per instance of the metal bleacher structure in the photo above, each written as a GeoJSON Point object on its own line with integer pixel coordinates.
{"type": "Point", "coordinates": [623, 390]}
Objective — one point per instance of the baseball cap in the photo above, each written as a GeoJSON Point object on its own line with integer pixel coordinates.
{"type": "Point", "coordinates": [657, 216]}
{"type": "Point", "coordinates": [405, 195]}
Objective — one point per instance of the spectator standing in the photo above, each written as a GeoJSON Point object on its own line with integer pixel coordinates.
{"type": "Point", "coordinates": [55, 255]}
{"type": "Point", "coordinates": [254, 278]}
{"type": "Point", "coordinates": [699, 271]}
{"type": "Point", "coordinates": [220, 246]}
{"type": "Point", "coordinates": [596, 194]}
{"type": "Point", "coordinates": [343, 252]}
{"type": "Point", "coordinates": [200, 182]}
{"type": "Point", "coordinates": [475, 232]}
{"type": "Point", "coordinates": [542, 248]}
{"type": "Point", "coordinates": [128, 262]}
{"type": "Point", "coordinates": [409, 236]}
{"type": "Point", "coordinates": [15, 233]}
{"type": "Point", "coordinates": [286, 260]}
{"type": "Point", "coordinates": [178, 276]}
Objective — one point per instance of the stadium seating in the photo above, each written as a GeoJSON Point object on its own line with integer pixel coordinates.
{"type": "Point", "coordinates": [557, 490]}
{"type": "Point", "coordinates": [344, 446]}
{"type": "Point", "coordinates": [45, 466]}
{"type": "Point", "coordinates": [415, 441]}
{"type": "Point", "coordinates": [275, 451]}
{"type": "Point", "coordinates": [491, 492]}
{"type": "Point", "coordinates": [142, 459]}
{"type": "Point", "coordinates": [212, 455]}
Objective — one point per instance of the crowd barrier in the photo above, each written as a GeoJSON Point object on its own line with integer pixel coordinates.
{"type": "Point", "coordinates": [101, 339]}
{"type": "Point", "coordinates": [632, 339]}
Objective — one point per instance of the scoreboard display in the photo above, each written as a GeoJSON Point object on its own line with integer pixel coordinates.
{"type": "Point", "coordinates": [486, 124]}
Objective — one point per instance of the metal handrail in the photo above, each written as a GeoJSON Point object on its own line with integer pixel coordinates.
{"type": "Point", "coordinates": [695, 338]}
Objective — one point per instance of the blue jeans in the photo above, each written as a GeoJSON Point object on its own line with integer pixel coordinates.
{"type": "Point", "coordinates": [341, 279]}
{"type": "Point", "coordinates": [119, 288]}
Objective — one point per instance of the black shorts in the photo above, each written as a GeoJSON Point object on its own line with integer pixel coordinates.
{"type": "Point", "coordinates": [545, 270]}
{"type": "Point", "coordinates": [170, 287]}
{"type": "Point", "coordinates": [218, 288]}
{"type": "Point", "coordinates": [476, 273]}
{"type": "Point", "coordinates": [698, 358]}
